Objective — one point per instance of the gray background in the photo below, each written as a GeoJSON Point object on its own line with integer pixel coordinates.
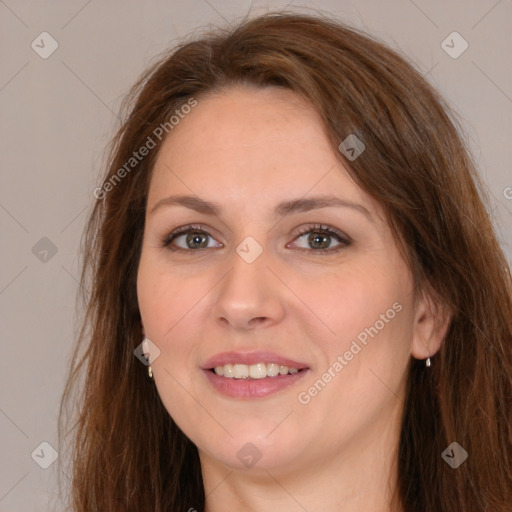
{"type": "Point", "coordinates": [58, 114]}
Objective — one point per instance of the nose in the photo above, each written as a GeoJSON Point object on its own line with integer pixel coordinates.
{"type": "Point", "coordinates": [250, 295]}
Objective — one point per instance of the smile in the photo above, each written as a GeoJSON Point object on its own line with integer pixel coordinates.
{"type": "Point", "coordinates": [248, 388]}
{"type": "Point", "coordinates": [249, 375]}
{"type": "Point", "coordinates": [253, 371]}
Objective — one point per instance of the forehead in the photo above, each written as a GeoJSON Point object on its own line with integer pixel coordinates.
{"type": "Point", "coordinates": [245, 146]}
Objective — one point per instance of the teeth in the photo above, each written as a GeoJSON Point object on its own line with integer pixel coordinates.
{"type": "Point", "coordinates": [257, 371]}
{"type": "Point", "coordinates": [272, 370]}
{"type": "Point", "coordinates": [253, 371]}
{"type": "Point", "coordinates": [241, 371]}
{"type": "Point", "coordinates": [229, 371]}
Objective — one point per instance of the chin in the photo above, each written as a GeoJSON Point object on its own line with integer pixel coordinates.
{"type": "Point", "coordinates": [257, 447]}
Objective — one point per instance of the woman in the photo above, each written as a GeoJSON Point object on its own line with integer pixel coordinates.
{"type": "Point", "coordinates": [297, 299]}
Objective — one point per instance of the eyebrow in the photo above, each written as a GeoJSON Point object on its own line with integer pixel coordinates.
{"type": "Point", "coordinates": [284, 208]}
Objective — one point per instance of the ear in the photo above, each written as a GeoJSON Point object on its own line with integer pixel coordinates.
{"type": "Point", "coordinates": [431, 322]}
{"type": "Point", "coordinates": [143, 331]}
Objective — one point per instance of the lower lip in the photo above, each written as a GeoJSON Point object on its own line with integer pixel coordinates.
{"type": "Point", "coordinates": [252, 388]}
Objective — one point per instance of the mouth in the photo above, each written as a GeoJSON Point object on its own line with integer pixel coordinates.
{"type": "Point", "coordinates": [252, 375]}
{"type": "Point", "coordinates": [254, 371]}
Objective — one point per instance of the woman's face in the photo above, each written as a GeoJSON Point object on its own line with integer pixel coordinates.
{"type": "Point", "coordinates": [261, 286]}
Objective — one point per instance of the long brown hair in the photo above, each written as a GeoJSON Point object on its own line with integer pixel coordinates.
{"type": "Point", "coordinates": [127, 452]}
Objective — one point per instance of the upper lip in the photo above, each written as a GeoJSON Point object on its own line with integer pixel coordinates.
{"type": "Point", "coordinates": [249, 358]}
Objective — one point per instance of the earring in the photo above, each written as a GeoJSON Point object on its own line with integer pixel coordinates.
{"type": "Point", "coordinates": [145, 349]}
{"type": "Point", "coordinates": [427, 362]}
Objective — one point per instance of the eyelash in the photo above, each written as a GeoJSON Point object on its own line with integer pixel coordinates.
{"type": "Point", "coordinates": [316, 228]}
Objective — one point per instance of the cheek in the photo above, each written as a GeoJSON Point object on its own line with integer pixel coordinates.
{"type": "Point", "coordinates": [369, 312]}
{"type": "Point", "coordinates": [172, 307]}
{"type": "Point", "coordinates": [166, 304]}
{"type": "Point", "coordinates": [352, 300]}
{"type": "Point", "coordinates": [164, 297]}
{"type": "Point", "coordinates": [365, 361]}
{"type": "Point", "coordinates": [372, 314]}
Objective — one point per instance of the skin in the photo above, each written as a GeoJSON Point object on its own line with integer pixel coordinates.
{"type": "Point", "coordinates": [249, 149]}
